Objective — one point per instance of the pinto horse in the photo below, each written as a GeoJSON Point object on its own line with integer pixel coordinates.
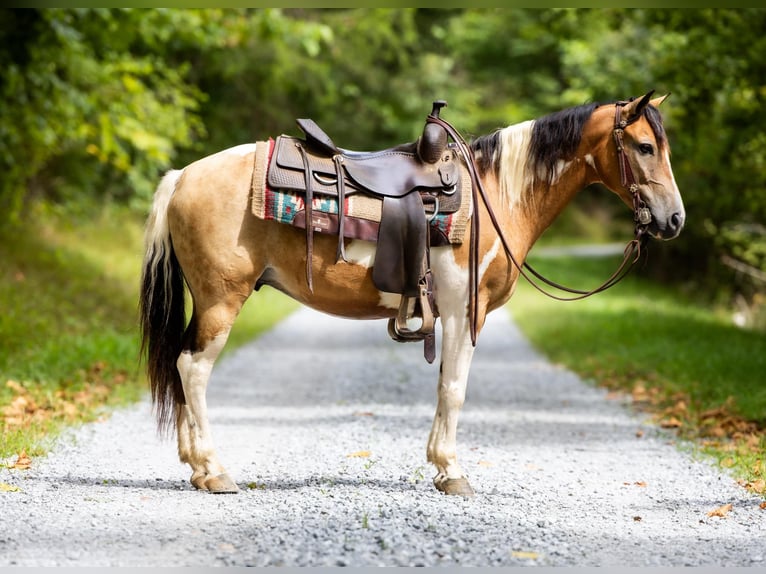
{"type": "Point", "coordinates": [201, 232]}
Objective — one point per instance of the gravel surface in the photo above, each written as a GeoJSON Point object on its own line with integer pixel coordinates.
{"type": "Point", "coordinates": [560, 474]}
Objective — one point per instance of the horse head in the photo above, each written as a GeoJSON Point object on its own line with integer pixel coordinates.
{"type": "Point", "coordinates": [635, 164]}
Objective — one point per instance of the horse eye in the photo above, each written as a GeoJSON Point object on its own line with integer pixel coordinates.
{"type": "Point", "coordinates": [646, 149]}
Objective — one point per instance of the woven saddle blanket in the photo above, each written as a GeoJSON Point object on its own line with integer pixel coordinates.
{"type": "Point", "coordinates": [362, 212]}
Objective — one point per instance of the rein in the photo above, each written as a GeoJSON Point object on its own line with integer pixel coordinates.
{"type": "Point", "coordinates": [641, 215]}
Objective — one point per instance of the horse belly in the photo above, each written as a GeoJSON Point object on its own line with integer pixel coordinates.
{"type": "Point", "coordinates": [344, 288]}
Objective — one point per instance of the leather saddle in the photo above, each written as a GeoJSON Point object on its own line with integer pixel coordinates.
{"type": "Point", "coordinates": [414, 181]}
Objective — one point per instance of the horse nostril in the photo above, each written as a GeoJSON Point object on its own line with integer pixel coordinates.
{"type": "Point", "coordinates": [676, 220]}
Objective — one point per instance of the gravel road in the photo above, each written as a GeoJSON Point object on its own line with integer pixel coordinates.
{"type": "Point", "coordinates": [561, 476]}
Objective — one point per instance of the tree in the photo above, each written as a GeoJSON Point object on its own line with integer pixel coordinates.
{"type": "Point", "coordinates": [89, 89]}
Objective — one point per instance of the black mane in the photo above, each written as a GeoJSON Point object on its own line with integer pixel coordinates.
{"type": "Point", "coordinates": [555, 137]}
{"type": "Point", "coordinates": [484, 149]}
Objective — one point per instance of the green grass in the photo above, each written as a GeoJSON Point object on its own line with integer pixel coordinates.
{"type": "Point", "coordinates": [643, 333]}
{"type": "Point", "coordinates": [68, 330]}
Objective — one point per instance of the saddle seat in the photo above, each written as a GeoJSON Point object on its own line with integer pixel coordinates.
{"type": "Point", "coordinates": [414, 181]}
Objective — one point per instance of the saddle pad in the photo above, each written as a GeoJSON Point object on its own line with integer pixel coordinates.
{"type": "Point", "coordinates": [286, 206]}
{"type": "Point", "coordinates": [393, 172]}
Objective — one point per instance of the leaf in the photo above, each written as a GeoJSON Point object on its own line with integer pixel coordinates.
{"type": "Point", "coordinates": [762, 505]}
{"type": "Point", "coordinates": [640, 483]}
{"type": "Point", "coordinates": [8, 488]}
{"type": "Point", "coordinates": [359, 454]}
{"type": "Point", "coordinates": [16, 387]}
{"type": "Point", "coordinates": [637, 519]}
{"type": "Point", "coordinates": [525, 554]}
{"type": "Point", "coordinates": [757, 486]}
{"type": "Point", "coordinates": [721, 511]}
{"type": "Point", "coordinates": [23, 462]}
{"type": "Point", "coordinates": [671, 423]}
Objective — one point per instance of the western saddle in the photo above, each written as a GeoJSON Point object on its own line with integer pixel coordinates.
{"type": "Point", "coordinates": [415, 181]}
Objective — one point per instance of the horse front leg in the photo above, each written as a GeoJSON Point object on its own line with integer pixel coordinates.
{"type": "Point", "coordinates": [457, 352]}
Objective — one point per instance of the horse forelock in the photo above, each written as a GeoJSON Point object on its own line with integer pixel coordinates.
{"type": "Point", "coordinates": [654, 117]}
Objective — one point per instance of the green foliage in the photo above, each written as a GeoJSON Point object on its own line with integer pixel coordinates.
{"type": "Point", "coordinates": [68, 323]}
{"type": "Point", "coordinates": [676, 357]}
{"type": "Point", "coordinates": [89, 86]}
{"type": "Point", "coordinates": [69, 327]}
{"type": "Point", "coordinates": [98, 102]}
{"type": "Point", "coordinates": [639, 331]}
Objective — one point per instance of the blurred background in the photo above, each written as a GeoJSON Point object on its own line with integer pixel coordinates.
{"type": "Point", "coordinates": [97, 103]}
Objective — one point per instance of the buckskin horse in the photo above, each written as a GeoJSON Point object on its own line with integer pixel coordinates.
{"type": "Point", "coordinates": [201, 232]}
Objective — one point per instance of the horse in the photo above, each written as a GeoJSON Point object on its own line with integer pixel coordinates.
{"type": "Point", "coordinates": [201, 233]}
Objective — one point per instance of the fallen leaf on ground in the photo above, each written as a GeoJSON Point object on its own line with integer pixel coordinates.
{"type": "Point", "coordinates": [8, 487]}
{"type": "Point", "coordinates": [639, 433]}
{"type": "Point", "coordinates": [762, 506]}
{"type": "Point", "coordinates": [636, 519]}
{"type": "Point", "coordinates": [640, 483]}
{"type": "Point", "coordinates": [525, 554]}
{"type": "Point", "coordinates": [23, 462]}
{"type": "Point", "coordinates": [721, 511]}
{"type": "Point", "coordinates": [757, 486]}
{"type": "Point", "coordinates": [359, 454]}
{"type": "Point", "coordinates": [670, 423]}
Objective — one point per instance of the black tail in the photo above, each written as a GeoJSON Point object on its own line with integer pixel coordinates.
{"type": "Point", "coordinates": [162, 309]}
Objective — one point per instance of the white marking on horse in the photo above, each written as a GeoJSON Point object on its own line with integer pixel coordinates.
{"type": "Point", "coordinates": [489, 257]}
{"type": "Point", "coordinates": [195, 369]}
{"type": "Point", "coordinates": [514, 182]}
{"type": "Point", "coordinates": [451, 288]}
{"type": "Point", "coordinates": [590, 161]}
{"type": "Point", "coordinates": [450, 282]}
{"type": "Point", "coordinates": [362, 253]}
{"type": "Point", "coordinates": [559, 169]}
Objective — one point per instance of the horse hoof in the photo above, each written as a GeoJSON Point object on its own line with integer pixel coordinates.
{"type": "Point", "coordinates": [221, 484]}
{"type": "Point", "coordinates": [198, 482]}
{"type": "Point", "coordinates": [455, 486]}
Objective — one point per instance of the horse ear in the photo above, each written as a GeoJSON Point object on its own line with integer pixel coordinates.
{"type": "Point", "coordinates": [657, 101]}
{"type": "Point", "coordinates": [635, 107]}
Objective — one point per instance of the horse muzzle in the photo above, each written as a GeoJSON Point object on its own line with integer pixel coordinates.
{"type": "Point", "coordinates": [666, 228]}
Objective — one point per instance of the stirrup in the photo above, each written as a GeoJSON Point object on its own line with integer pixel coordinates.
{"type": "Point", "coordinates": [397, 327]}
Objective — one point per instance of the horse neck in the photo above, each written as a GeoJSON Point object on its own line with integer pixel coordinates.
{"type": "Point", "coordinates": [546, 203]}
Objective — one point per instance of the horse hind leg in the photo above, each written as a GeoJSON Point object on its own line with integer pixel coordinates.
{"type": "Point", "coordinates": [205, 338]}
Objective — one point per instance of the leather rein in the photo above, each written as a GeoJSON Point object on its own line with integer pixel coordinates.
{"type": "Point", "coordinates": [641, 215]}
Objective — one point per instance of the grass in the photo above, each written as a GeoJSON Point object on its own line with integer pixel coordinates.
{"type": "Point", "coordinates": [68, 331]}
{"type": "Point", "coordinates": [682, 361]}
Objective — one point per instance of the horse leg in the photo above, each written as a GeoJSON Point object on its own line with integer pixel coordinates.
{"type": "Point", "coordinates": [457, 352]}
{"type": "Point", "coordinates": [205, 338]}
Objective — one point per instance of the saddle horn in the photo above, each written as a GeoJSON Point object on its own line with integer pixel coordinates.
{"type": "Point", "coordinates": [433, 142]}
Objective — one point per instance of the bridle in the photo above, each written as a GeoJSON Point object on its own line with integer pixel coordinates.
{"type": "Point", "coordinates": [642, 217]}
